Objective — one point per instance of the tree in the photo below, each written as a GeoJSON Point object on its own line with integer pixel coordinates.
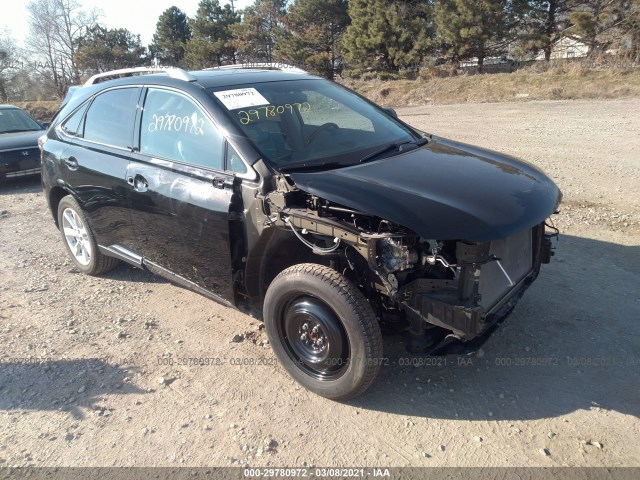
{"type": "Point", "coordinates": [171, 37]}
{"type": "Point", "coordinates": [314, 29]}
{"type": "Point", "coordinates": [56, 27]}
{"type": "Point", "coordinates": [8, 65]}
{"type": "Point", "coordinates": [211, 43]}
{"type": "Point", "coordinates": [101, 50]}
{"type": "Point", "coordinates": [387, 35]}
{"type": "Point", "coordinates": [473, 28]}
{"type": "Point", "coordinates": [415, 29]}
{"type": "Point", "coordinates": [545, 22]}
{"type": "Point", "coordinates": [255, 37]}
{"type": "Point", "coordinates": [597, 22]}
{"type": "Point", "coordinates": [631, 28]}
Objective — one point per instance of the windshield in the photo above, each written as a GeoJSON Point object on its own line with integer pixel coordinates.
{"type": "Point", "coordinates": [309, 122]}
{"type": "Point", "coordinates": [13, 120]}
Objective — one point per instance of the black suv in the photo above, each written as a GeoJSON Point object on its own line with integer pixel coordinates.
{"type": "Point", "coordinates": [298, 201]}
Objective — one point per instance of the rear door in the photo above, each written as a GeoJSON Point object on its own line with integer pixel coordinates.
{"type": "Point", "coordinates": [179, 195]}
{"type": "Point", "coordinates": [94, 164]}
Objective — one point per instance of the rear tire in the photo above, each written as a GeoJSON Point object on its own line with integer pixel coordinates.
{"type": "Point", "coordinates": [79, 239]}
{"type": "Point", "coordinates": [323, 331]}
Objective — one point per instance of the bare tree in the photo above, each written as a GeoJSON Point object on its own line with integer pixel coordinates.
{"type": "Point", "coordinates": [56, 28]}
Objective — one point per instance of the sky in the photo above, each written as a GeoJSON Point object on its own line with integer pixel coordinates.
{"type": "Point", "coordinates": [139, 16]}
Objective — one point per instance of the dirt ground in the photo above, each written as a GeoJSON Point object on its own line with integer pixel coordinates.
{"type": "Point", "coordinates": [114, 383]}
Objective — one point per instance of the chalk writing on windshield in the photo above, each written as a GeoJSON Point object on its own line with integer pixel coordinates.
{"type": "Point", "coordinates": [259, 113]}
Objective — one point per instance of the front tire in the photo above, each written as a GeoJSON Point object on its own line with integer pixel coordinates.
{"type": "Point", "coordinates": [79, 240]}
{"type": "Point", "coordinates": [323, 331]}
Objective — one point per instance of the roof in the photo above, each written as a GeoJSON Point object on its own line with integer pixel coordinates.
{"type": "Point", "coordinates": [227, 76]}
{"type": "Point", "coordinates": [7, 107]}
{"type": "Point", "coordinates": [210, 77]}
{"type": "Point", "coordinates": [220, 78]}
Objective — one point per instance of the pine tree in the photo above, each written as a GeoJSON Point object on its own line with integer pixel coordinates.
{"type": "Point", "coordinates": [473, 28]}
{"type": "Point", "coordinates": [255, 38]}
{"type": "Point", "coordinates": [544, 23]}
{"type": "Point", "coordinates": [211, 42]}
{"type": "Point", "coordinates": [597, 22]}
{"type": "Point", "coordinates": [171, 37]}
{"type": "Point", "coordinates": [387, 35]}
{"type": "Point", "coordinates": [100, 50]}
{"type": "Point", "coordinates": [312, 35]}
{"type": "Point", "coordinates": [631, 28]}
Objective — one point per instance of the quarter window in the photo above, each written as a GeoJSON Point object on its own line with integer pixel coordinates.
{"type": "Point", "coordinates": [234, 162]}
{"type": "Point", "coordinates": [175, 127]}
{"type": "Point", "coordinates": [111, 117]}
{"type": "Point", "coordinates": [74, 125]}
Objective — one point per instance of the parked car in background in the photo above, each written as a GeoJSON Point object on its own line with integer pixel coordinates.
{"type": "Point", "coordinates": [300, 202]}
{"type": "Point", "coordinates": [19, 152]}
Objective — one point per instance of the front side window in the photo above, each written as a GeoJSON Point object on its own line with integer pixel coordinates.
{"type": "Point", "coordinates": [309, 122]}
{"type": "Point", "coordinates": [175, 127]}
{"type": "Point", "coordinates": [111, 117]}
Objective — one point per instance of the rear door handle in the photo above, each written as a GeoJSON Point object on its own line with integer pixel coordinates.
{"type": "Point", "coordinates": [139, 183]}
{"type": "Point", "coordinates": [70, 162]}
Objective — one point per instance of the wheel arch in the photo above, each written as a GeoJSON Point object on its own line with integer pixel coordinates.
{"type": "Point", "coordinates": [277, 250]}
{"type": "Point", "coordinates": [55, 195]}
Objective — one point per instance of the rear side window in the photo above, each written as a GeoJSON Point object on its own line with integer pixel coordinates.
{"type": "Point", "coordinates": [111, 117]}
{"type": "Point", "coordinates": [174, 127]}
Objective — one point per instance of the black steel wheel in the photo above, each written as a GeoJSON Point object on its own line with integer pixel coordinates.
{"type": "Point", "coordinates": [323, 331]}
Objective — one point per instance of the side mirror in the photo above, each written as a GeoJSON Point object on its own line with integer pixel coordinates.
{"type": "Point", "coordinates": [391, 112]}
{"type": "Point", "coordinates": [45, 125]}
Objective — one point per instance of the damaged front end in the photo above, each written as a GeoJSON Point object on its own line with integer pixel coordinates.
{"type": "Point", "coordinates": [440, 291]}
{"type": "Point", "coordinates": [486, 281]}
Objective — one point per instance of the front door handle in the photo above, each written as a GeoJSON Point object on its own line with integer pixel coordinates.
{"type": "Point", "coordinates": [70, 162]}
{"type": "Point", "coordinates": [222, 182]}
{"type": "Point", "coordinates": [139, 183]}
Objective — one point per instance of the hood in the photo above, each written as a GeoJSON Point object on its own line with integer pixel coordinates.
{"type": "Point", "coordinates": [13, 141]}
{"type": "Point", "coordinates": [445, 190]}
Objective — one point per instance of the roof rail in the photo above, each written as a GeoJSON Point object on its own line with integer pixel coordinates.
{"type": "Point", "coordinates": [260, 66]}
{"type": "Point", "coordinates": [173, 72]}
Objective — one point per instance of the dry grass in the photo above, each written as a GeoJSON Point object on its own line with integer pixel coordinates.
{"type": "Point", "coordinates": [41, 110]}
{"type": "Point", "coordinates": [562, 82]}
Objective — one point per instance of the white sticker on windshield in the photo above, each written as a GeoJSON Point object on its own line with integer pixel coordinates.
{"type": "Point", "coordinates": [241, 98]}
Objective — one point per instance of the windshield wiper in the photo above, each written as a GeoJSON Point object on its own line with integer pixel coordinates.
{"type": "Point", "coordinates": [312, 166]}
{"type": "Point", "coordinates": [331, 165]}
{"type": "Point", "coordinates": [392, 146]}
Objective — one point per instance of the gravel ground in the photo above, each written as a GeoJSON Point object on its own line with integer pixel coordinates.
{"type": "Point", "coordinates": [557, 385]}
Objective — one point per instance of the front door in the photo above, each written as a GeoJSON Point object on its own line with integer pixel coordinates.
{"type": "Point", "coordinates": [179, 195]}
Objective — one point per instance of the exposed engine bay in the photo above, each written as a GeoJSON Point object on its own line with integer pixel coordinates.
{"type": "Point", "coordinates": [441, 290]}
